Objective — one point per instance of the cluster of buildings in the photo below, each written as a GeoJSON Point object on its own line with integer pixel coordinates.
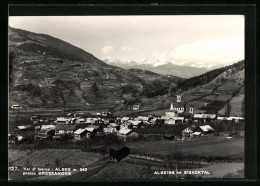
{"type": "Point", "coordinates": [78, 127]}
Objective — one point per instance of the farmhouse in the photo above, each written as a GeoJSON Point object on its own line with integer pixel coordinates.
{"type": "Point", "coordinates": [118, 152]}
{"type": "Point", "coordinates": [80, 134]}
{"type": "Point", "coordinates": [125, 133]}
{"type": "Point", "coordinates": [98, 129]}
{"type": "Point", "coordinates": [136, 107]}
{"type": "Point", "coordinates": [90, 132]}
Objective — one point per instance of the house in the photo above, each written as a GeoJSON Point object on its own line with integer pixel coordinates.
{"type": "Point", "coordinates": [178, 119]}
{"type": "Point", "coordinates": [50, 132]}
{"type": "Point", "coordinates": [80, 134]}
{"type": "Point", "coordinates": [38, 128]}
{"type": "Point", "coordinates": [124, 119]}
{"type": "Point", "coordinates": [106, 114]}
{"type": "Point", "coordinates": [136, 107]}
{"type": "Point", "coordinates": [62, 120]}
{"type": "Point", "coordinates": [124, 125]}
{"type": "Point", "coordinates": [15, 138]}
{"type": "Point", "coordinates": [45, 134]}
{"type": "Point", "coordinates": [142, 118]}
{"type": "Point", "coordinates": [200, 117]}
{"type": "Point", "coordinates": [165, 118]}
{"type": "Point", "coordinates": [25, 128]}
{"type": "Point", "coordinates": [136, 124]}
{"type": "Point", "coordinates": [171, 113]}
{"type": "Point", "coordinates": [170, 121]}
{"type": "Point", "coordinates": [153, 121]}
{"type": "Point", "coordinates": [235, 119]}
{"type": "Point", "coordinates": [127, 125]}
{"type": "Point", "coordinates": [96, 114]}
{"type": "Point", "coordinates": [90, 120]}
{"type": "Point", "coordinates": [220, 118]}
{"type": "Point", "coordinates": [124, 133]}
{"type": "Point", "coordinates": [16, 107]}
{"type": "Point", "coordinates": [98, 129]}
{"type": "Point", "coordinates": [118, 152]}
{"type": "Point", "coordinates": [111, 128]}
{"type": "Point", "coordinates": [205, 130]}
{"type": "Point", "coordinates": [80, 121]}
{"type": "Point", "coordinates": [196, 134]}
{"type": "Point", "coordinates": [186, 115]}
{"type": "Point", "coordinates": [211, 116]}
{"type": "Point", "coordinates": [188, 132]}
{"type": "Point", "coordinates": [90, 132]}
{"type": "Point", "coordinates": [64, 129]}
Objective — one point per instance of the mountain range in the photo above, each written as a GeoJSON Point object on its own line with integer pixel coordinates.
{"type": "Point", "coordinates": [46, 72]}
{"type": "Point", "coordinates": [158, 66]}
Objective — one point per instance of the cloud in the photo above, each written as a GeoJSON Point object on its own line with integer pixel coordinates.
{"type": "Point", "coordinates": [159, 54]}
{"type": "Point", "coordinates": [208, 53]}
{"type": "Point", "coordinates": [107, 49]}
{"type": "Point", "coordinates": [126, 49]}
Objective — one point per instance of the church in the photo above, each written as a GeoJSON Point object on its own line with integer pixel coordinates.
{"type": "Point", "coordinates": [178, 107]}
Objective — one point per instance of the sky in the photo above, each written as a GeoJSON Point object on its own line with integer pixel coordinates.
{"type": "Point", "coordinates": [193, 40]}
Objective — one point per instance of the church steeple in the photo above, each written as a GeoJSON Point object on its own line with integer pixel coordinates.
{"type": "Point", "coordinates": [171, 107]}
{"type": "Point", "coordinates": [178, 98]}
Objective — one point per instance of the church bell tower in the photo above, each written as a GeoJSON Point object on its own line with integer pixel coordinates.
{"type": "Point", "coordinates": [178, 98]}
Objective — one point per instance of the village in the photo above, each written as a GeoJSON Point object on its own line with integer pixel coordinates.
{"type": "Point", "coordinates": [78, 127]}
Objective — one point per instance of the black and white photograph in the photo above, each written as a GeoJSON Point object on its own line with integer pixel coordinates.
{"type": "Point", "coordinates": [126, 97]}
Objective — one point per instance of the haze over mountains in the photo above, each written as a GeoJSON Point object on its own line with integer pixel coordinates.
{"type": "Point", "coordinates": [47, 72]}
{"type": "Point", "coordinates": [159, 66]}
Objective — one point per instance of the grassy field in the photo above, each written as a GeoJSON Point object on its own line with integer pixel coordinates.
{"type": "Point", "coordinates": [54, 157]}
{"type": "Point", "coordinates": [207, 146]}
